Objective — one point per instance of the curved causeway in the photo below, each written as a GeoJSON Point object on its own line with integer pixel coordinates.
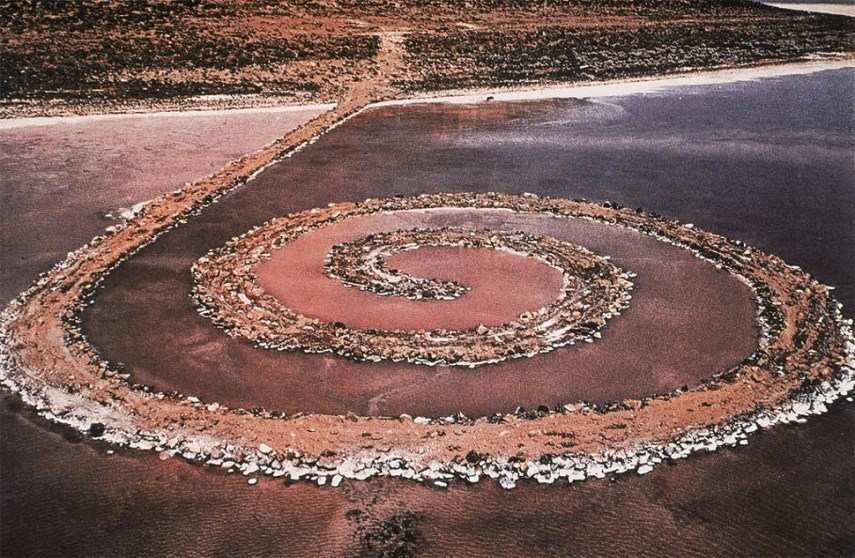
{"type": "Point", "coordinates": [802, 361]}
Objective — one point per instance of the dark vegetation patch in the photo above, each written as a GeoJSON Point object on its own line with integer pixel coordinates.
{"type": "Point", "coordinates": [91, 51]}
{"type": "Point", "coordinates": [549, 54]}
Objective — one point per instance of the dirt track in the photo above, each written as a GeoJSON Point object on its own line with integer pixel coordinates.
{"type": "Point", "coordinates": [83, 57]}
{"type": "Point", "coordinates": [703, 479]}
{"type": "Point", "coordinates": [46, 344]}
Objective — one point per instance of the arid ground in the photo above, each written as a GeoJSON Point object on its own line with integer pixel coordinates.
{"type": "Point", "coordinates": [73, 57]}
{"type": "Point", "coordinates": [762, 156]}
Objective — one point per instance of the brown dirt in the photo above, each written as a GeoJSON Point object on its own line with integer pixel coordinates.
{"type": "Point", "coordinates": [45, 346]}
{"type": "Point", "coordinates": [804, 341]}
{"type": "Point", "coordinates": [83, 57]}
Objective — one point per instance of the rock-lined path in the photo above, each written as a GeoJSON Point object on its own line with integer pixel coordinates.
{"type": "Point", "coordinates": [795, 469]}
{"type": "Point", "coordinates": [803, 338]}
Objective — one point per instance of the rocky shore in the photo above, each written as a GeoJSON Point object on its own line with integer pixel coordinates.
{"type": "Point", "coordinates": [804, 362]}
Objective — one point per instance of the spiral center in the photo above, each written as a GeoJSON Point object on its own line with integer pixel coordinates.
{"type": "Point", "coordinates": [541, 294]}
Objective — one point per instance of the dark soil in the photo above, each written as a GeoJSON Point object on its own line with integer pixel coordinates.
{"type": "Point", "coordinates": [86, 55]}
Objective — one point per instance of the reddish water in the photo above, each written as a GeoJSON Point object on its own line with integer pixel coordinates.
{"type": "Point", "coordinates": [686, 321]}
{"type": "Point", "coordinates": [57, 181]}
{"type": "Point", "coordinates": [295, 275]}
{"type": "Point", "coordinates": [789, 493]}
{"type": "Point", "coordinates": [753, 161]}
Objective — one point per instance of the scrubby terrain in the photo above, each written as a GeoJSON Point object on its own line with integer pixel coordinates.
{"type": "Point", "coordinates": [88, 55]}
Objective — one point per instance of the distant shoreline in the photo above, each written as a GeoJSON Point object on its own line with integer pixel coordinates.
{"type": "Point", "coordinates": [613, 88]}
{"type": "Point", "coordinates": [114, 59]}
{"type": "Point", "coordinates": [834, 8]}
{"type": "Point", "coordinates": [609, 88]}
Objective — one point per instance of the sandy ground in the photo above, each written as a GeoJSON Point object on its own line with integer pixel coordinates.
{"type": "Point", "coordinates": [264, 114]}
{"type": "Point", "coordinates": [85, 57]}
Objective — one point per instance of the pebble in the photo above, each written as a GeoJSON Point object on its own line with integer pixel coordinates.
{"type": "Point", "coordinates": [641, 460]}
{"type": "Point", "coordinates": [507, 483]}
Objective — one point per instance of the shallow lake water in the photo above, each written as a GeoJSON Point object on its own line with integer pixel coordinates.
{"type": "Point", "coordinates": [767, 162]}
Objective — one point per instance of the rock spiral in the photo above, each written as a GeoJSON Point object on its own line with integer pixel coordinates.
{"type": "Point", "coordinates": [593, 291]}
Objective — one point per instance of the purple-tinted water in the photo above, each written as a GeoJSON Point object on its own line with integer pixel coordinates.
{"type": "Point", "coordinates": [768, 162]}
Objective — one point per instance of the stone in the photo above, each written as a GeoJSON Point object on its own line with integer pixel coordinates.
{"type": "Point", "coordinates": [644, 469]}
{"type": "Point", "coordinates": [96, 429]}
{"type": "Point", "coordinates": [473, 457]}
{"type": "Point", "coordinates": [507, 483]}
